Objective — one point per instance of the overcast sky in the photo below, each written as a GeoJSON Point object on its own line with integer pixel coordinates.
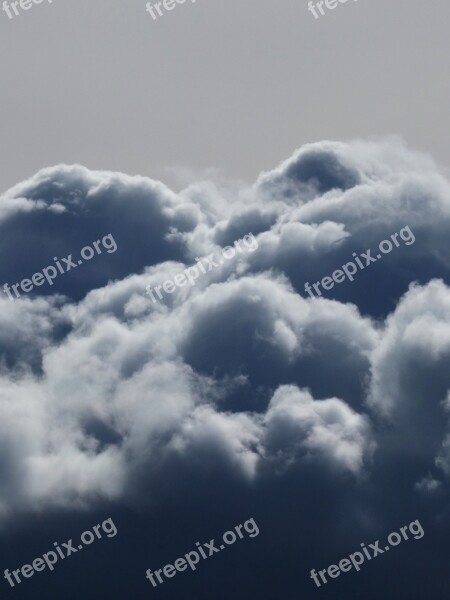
{"type": "Point", "coordinates": [235, 85]}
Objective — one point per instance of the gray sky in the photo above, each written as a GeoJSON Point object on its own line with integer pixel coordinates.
{"type": "Point", "coordinates": [235, 84]}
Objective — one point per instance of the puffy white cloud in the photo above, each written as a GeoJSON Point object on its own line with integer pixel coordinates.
{"type": "Point", "coordinates": [410, 382]}
{"type": "Point", "coordinates": [299, 425]}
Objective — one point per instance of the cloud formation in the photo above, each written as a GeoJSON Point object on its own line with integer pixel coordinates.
{"type": "Point", "coordinates": [241, 377]}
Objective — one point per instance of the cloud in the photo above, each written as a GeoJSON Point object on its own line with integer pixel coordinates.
{"type": "Point", "coordinates": [107, 396]}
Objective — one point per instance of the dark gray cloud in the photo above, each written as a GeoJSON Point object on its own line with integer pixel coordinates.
{"type": "Point", "coordinates": [241, 386]}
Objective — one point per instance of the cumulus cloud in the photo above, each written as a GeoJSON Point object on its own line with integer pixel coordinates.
{"type": "Point", "coordinates": [106, 393]}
